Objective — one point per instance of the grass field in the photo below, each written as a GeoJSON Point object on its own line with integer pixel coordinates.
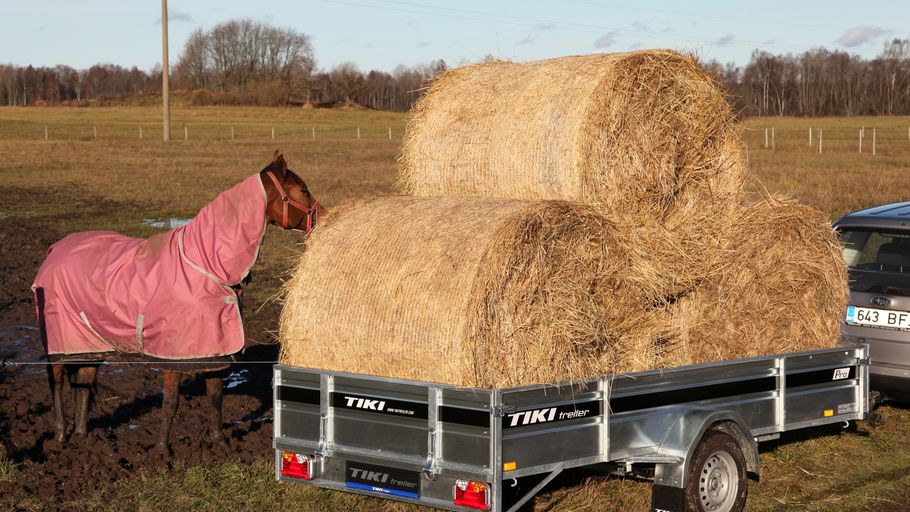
{"type": "Point", "coordinates": [865, 470]}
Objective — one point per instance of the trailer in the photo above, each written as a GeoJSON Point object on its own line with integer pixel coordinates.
{"type": "Point", "coordinates": [693, 430]}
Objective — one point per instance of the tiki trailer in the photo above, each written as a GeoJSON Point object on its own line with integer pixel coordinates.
{"type": "Point", "coordinates": [693, 430]}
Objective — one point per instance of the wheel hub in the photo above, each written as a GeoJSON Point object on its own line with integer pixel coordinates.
{"type": "Point", "coordinates": [718, 482]}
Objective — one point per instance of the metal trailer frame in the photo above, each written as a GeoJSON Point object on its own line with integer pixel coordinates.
{"type": "Point", "coordinates": [410, 440]}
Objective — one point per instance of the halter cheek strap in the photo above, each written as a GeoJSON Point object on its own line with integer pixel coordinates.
{"type": "Point", "coordinates": [286, 201]}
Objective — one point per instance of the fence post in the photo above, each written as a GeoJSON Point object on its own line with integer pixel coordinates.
{"type": "Point", "coordinates": [390, 133]}
{"type": "Point", "coordinates": [232, 133]}
{"type": "Point", "coordinates": [873, 142]}
{"type": "Point", "coordinates": [810, 137]}
{"type": "Point", "coordinates": [772, 137]}
{"type": "Point", "coordinates": [766, 138]}
{"type": "Point", "coordinates": [186, 133]}
{"type": "Point", "coordinates": [860, 140]}
{"type": "Point", "coordinates": [45, 133]}
{"type": "Point", "coordinates": [314, 132]}
{"type": "Point", "coordinates": [94, 133]}
{"type": "Point", "coordinates": [140, 133]}
{"type": "Point", "coordinates": [820, 140]}
{"type": "Point", "coordinates": [358, 133]}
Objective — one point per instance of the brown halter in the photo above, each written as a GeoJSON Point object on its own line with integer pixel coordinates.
{"type": "Point", "coordinates": [286, 200]}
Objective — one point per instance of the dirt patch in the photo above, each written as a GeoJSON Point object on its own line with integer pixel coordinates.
{"type": "Point", "coordinates": [124, 421]}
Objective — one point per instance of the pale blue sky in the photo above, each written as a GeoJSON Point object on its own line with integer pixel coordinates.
{"type": "Point", "coordinates": [380, 34]}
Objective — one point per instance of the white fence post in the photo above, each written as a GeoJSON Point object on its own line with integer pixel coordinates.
{"type": "Point", "coordinates": [358, 133]}
{"type": "Point", "coordinates": [94, 133]}
{"type": "Point", "coordinates": [45, 133]}
{"type": "Point", "coordinates": [314, 133]}
{"type": "Point", "coordinates": [810, 137]}
{"type": "Point", "coordinates": [390, 133]}
{"type": "Point", "coordinates": [766, 138]}
{"type": "Point", "coordinates": [820, 140]}
{"type": "Point", "coordinates": [873, 142]}
{"type": "Point", "coordinates": [860, 140]}
{"type": "Point", "coordinates": [273, 133]}
{"type": "Point", "coordinates": [140, 133]}
{"type": "Point", "coordinates": [772, 137]}
{"type": "Point", "coordinates": [232, 133]}
{"type": "Point", "coordinates": [186, 133]}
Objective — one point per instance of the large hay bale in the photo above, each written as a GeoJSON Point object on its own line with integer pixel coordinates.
{"type": "Point", "coordinates": [648, 136]}
{"type": "Point", "coordinates": [783, 288]}
{"type": "Point", "coordinates": [481, 292]}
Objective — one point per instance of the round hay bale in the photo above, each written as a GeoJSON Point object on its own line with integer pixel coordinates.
{"type": "Point", "coordinates": [783, 288]}
{"type": "Point", "coordinates": [479, 292]}
{"type": "Point", "coordinates": [648, 136]}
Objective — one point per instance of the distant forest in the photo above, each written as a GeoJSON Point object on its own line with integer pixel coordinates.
{"type": "Point", "coordinates": [243, 62]}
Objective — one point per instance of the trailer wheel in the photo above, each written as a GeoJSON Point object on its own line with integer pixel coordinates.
{"type": "Point", "coordinates": [717, 475]}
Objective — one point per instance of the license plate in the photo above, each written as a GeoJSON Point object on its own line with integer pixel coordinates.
{"type": "Point", "coordinates": [382, 480]}
{"type": "Point", "coordinates": [878, 317]}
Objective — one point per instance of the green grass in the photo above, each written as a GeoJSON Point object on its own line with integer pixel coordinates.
{"type": "Point", "coordinates": [73, 182]}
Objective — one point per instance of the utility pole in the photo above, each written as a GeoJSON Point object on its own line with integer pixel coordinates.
{"type": "Point", "coordinates": [165, 87]}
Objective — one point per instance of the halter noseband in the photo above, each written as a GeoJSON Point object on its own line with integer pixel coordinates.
{"type": "Point", "coordinates": [286, 200]}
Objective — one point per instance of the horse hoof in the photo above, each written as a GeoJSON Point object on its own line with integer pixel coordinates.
{"type": "Point", "coordinates": [162, 453]}
{"type": "Point", "coordinates": [218, 439]}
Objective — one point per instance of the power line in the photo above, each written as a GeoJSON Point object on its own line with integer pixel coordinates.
{"type": "Point", "coordinates": [705, 16]}
{"type": "Point", "coordinates": [536, 23]}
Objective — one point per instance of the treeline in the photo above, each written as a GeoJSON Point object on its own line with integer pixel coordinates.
{"type": "Point", "coordinates": [820, 82]}
{"type": "Point", "coordinates": [65, 85]}
{"type": "Point", "coordinates": [243, 62]}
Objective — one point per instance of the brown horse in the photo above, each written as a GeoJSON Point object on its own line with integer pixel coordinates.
{"type": "Point", "coordinates": [288, 205]}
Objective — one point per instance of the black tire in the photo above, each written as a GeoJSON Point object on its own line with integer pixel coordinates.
{"type": "Point", "coordinates": [716, 481]}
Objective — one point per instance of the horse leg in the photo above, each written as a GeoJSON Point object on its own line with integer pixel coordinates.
{"type": "Point", "coordinates": [169, 402]}
{"type": "Point", "coordinates": [84, 383]}
{"type": "Point", "coordinates": [213, 388]}
{"type": "Point", "coordinates": [55, 378]}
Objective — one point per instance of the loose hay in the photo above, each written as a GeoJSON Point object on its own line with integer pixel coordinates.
{"type": "Point", "coordinates": [648, 136]}
{"type": "Point", "coordinates": [784, 288]}
{"type": "Point", "coordinates": [481, 292]}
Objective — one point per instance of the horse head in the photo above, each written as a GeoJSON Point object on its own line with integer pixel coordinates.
{"type": "Point", "coordinates": [289, 202]}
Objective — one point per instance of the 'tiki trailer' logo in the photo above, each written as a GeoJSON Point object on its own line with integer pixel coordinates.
{"type": "Point", "coordinates": [549, 414]}
{"type": "Point", "coordinates": [374, 476]}
{"type": "Point", "coordinates": [364, 403]}
{"type": "Point", "coordinates": [380, 405]}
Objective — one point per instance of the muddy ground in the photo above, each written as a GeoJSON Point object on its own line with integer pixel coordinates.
{"type": "Point", "coordinates": [124, 420]}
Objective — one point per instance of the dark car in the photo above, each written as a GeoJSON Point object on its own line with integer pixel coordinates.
{"type": "Point", "coordinates": [876, 244]}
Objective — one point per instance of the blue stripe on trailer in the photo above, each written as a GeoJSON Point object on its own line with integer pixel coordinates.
{"type": "Point", "coordinates": [383, 490]}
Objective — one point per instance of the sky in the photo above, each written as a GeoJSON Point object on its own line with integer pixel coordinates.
{"type": "Point", "coordinates": [382, 34]}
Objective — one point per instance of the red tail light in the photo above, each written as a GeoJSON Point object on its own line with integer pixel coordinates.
{"type": "Point", "coordinates": [471, 494]}
{"type": "Point", "coordinates": [296, 465]}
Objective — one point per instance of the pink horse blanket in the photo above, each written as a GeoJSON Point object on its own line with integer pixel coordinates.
{"type": "Point", "coordinates": [169, 296]}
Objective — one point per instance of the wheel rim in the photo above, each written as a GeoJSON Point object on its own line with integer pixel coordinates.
{"type": "Point", "coordinates": [718, 482]}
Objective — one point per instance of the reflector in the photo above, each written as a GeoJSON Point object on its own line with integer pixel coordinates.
{"type": "Point", "coordinates": [471, 494]}
{"type": "Point", "coordinates": [295, 465]}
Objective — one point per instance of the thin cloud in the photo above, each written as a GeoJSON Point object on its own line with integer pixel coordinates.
{"type": "Point", "coordinates": [637, 25]}
{"type": "Point", "coordinates": [860, 34]}
{"type": "Point", "coordinates": [544, 26]}
{"type": "Point", "coordinates": [423, 44]}
{"type": "Point", "coordinates": [527, 40]}
{"type": "Point", "coordinates": [605, 41]}
{"type": "Point", "coordinates": [174, 15]}
{"type": "Point", "coordinates": [725, 40]}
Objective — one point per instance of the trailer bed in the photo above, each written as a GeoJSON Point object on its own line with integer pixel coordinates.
{"type": "Point", "coordinates": [422, 442]}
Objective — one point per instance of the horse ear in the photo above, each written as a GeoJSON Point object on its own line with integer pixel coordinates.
{"type": "Point", "coordinates": [275, 156]}
{"type": "Point", "coordinates": [282, 165]}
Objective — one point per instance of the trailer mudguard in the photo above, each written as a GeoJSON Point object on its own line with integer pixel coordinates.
{"type": "Point", "coordinates": [686, 431]}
